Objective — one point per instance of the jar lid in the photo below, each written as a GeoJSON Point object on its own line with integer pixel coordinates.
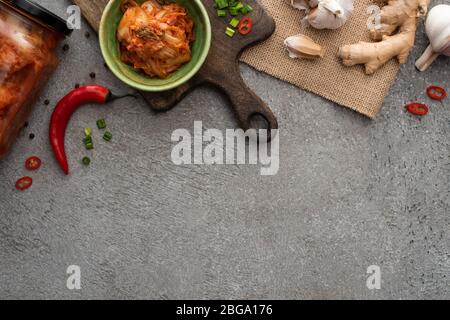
{"type": "Point", "coordinates": [43, 15]}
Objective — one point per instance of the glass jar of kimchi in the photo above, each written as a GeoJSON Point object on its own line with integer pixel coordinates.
{"type": "Point", "coordinates": [29, 38]}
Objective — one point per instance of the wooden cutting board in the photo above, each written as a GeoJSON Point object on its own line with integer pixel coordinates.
{"type": "Point", "coordinates": [221, 68]}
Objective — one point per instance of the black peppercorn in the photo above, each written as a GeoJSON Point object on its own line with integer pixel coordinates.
{"type": "Point", "coordinates": [87, 34]}
{"type": "Point", "coordinates": [77, 85]}
{"type": "Point", "coordinates": [65, 47]}
{"type": "Point", "coordinates": [46, 102]}
{"type": "Point", "coordinates": [32, 136]}
{"type": "Point", "coordinates": [92, 75]}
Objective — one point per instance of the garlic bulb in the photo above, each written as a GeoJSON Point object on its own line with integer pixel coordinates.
{"type": "Point", "coordinates": [330, 14]}
{"type": "Point", "coordinates": [304, 4]}
{"type": "Point", "coordinates": [325, 14]}
{"type": "Point", "coordinates": [301, 46]}
{"type": "Point", "coordinates": [437, 27]}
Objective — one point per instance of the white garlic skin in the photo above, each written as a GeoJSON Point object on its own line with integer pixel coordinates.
{"type": "Point", "coordinates": [304, 5]}
{"type": "Point", "coordinates": [330, 14]}
{"type": "Point", "coordinates": [324, 14]}
{"type": "Point", "coordinates": [303, 47]}
{"type": "Point", "coordinates": [437, 27]}
{"type": "Point", "coordinates": [299, 4]}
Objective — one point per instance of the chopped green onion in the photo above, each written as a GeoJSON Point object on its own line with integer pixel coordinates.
{"type": "Point", "coordinates": [221, 4]}
{"type": "Point", "coordinates": [87, 131]}
{"type": "Point", "coordinates": [101, 124]}
{"type": "Point", "coordinates": [221, 13]}
{"type": "Point", "coordinates": [88, 143]}
{"type": "Point", "coordinates": [87, 139]}
{"type": "Point", "coordinates": [233, 11]}
{"type": "Point", "coordinates": [238, 6]}
{"type": "Point", "coordinates": [86, 161]}
{"type": "Point", "coordinates": [234, 8]}
{"type": "Point", "coordinates": [246, 9]}
{"type": "Point", "coordinates": [234, 22]}
{"type": "Point", "coordinates": [230, 32]}
{"type": "Point", "coordinates": [107, 136]}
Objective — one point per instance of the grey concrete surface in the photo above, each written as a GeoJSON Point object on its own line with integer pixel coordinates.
{"type": "Point", "coordinates": [350, 193]}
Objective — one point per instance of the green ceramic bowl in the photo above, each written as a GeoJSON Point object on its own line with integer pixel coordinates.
{"type": "Point", "coordinates": [137, 79]}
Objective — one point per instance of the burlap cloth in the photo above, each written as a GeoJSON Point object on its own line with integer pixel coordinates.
{"type": "Point", "coordinates": [327, 77]}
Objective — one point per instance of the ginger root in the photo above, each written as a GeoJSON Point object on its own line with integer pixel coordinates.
{"type": "Point", "coordinates": [396, 36]}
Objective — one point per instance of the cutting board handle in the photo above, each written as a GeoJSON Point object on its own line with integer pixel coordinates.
{"type": "Point", "coordinates": [250, 110]}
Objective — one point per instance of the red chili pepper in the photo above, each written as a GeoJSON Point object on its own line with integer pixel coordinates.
{"type": "Point", "coordinates": [24, 183]}
{"type": "Point", "coordinates": [64, 110]}
{"type": "Point", "coordinates": [436, 93]}
{"type": "Point", "coordinates": [416, 108]}
{"type": "Point", "coordinates": [245, 26]}
{"type": "Point", "coordinates": [33, 163]}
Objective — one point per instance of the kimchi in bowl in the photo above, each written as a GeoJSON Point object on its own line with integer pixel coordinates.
{"type": "Point", "coordinates": [138, 79]}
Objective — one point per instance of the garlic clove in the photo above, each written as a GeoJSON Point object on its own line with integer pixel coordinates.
{"type": "Point", "coordinates": [313, 3]}
{"type": "Point", "coordinates": [334, 7]}
{"type": "Point", "coordinates": [303, 47]}
{"type": "Point", "coordinates": [323, 19]}
{"type": "Point", "coordinates": [324, 14]}
{"type": "Point", "coordinates": [330, 14]}
{"type": "Point", "coordinates": [304, 5]}
{"type": "Point", "coordinates": [300, 4]}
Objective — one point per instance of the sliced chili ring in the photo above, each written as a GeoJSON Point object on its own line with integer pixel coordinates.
{"type": "Point", "coordinates": [33, 163]}
{"type": "Point", "coordinates": [24, 183]}
{"type": "Point", "coordinates": [416, 108]}
{"type": "Point", "coordinates": [245, 26]}
{"type": "Point", "coordinates": [436, 93]}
